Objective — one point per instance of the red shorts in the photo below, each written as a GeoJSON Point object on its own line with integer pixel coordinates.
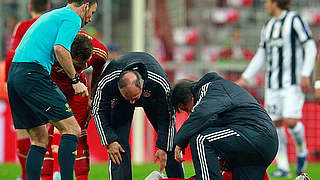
{"type": "Point", "coordinates": [80, 109]}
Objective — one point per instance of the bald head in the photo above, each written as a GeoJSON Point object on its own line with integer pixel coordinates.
{"type": "Point", "coordinates": [130, 85]}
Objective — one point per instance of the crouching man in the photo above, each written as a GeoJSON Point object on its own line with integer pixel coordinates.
{"type": "Point", "coordinates": [224, 121]}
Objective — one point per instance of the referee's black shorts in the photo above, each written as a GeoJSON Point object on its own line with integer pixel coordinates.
{"type": "Point", "coordinates": [34, 98]}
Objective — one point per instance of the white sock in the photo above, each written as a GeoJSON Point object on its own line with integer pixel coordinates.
{"type": "Point", "coordinates": [298, 134]}
{"type": "Point", "coordinates": [282, 156]}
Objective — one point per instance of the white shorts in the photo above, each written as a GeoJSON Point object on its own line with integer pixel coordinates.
{"type": "Point", "coordinates": [284, 103]}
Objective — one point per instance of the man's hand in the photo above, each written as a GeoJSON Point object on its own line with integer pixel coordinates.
{"type": "Point", "coordinates": [305, 84]}
{"type": "Point", "coordinates": [241, 82]}
{"type": "Point", "coordinates": [80, 89]}
{"type": "Point", "coordinates": [114, 150]}
{"type": "Point", "coordinates": [162, 156]}
{"type": "Point", "coordinates": [177, 154]}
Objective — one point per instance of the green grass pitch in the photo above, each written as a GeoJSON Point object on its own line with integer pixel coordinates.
{"type": "Point", "coordinates": [99, 171]}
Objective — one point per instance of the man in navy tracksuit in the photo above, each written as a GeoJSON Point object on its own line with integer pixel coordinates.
{"type": "Point", "coordinates": [224, 121]}
{"type": "Point", "coordinates": [134, 80]}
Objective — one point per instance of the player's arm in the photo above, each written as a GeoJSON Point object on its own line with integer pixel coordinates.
{"type": "Point", "coordinates": [100, 56]}
{"type": "Point", "coordinates": [162, 115]}
{"type": "Point", "coordinates": [101, 110]}
{"type": "Point", "coordinates": [304, 36]}
{"type": "Point", "coordinates": [204, 114]}
{"type": "Point", "coordinates": [62, 47]}
{"type": "Point", "coordinates": [256, 63]}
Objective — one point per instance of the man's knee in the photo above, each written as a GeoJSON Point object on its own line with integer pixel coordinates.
{"type": "Point", "coordinates": [39, 136]}
{"type": "Point", "coordinates": [68, 126]}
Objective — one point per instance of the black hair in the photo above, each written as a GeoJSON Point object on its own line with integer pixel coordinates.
{"type": "Point", "coordinates": [39, 6]}
{"type": "Point", "coordinates": [182, 93]}
{"type": "Point", "coordinates": [283, 4]}
{"type": "Point", "coordinates": [80, 2]}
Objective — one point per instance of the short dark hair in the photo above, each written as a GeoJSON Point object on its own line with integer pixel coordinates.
{"type": "Point", "coordinates": [182, 92]}
{"type": "Point", "coordinates": [39, 6]}
{"type": "Point", "coordinates": [122, 83]}
{"type": "Point", "coordinates": [283, 4]}
{"type": "Point", "coordinates": [81, 48]}
{"type": "Point", "coordinates": [80, 2]}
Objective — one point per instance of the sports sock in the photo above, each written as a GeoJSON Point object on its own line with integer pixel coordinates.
{"type": "Point", "coordinates": [82, 166]}
{"type": "Point", "coordinates": [34, 161]}
{"type": "Point", "coordinates": [47, 169]}
{"type": "Point", "coordinates": [282, 156]}
{"type": "Point", "coordinates": [298, 134]}
{"type": "Point", "coordinates": [23, 146]}
{"type": "Point", "coordinates": [55, 149]}
{"type": "Point", "coordinates": [67, 155]}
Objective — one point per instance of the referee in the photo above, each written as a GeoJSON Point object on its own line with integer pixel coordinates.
{"type": "Point", "coordinates": [134, 80]}
{"type": "Point", "coordinates": [289, 52]}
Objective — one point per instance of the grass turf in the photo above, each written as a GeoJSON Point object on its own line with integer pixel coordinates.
{"type": "Point", "coordinates": [99, 171]}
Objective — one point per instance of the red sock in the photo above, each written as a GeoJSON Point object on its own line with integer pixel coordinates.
{"type": "Point", "coordinates": [82, 166]}
{"type": "Point", "coordinates": [23, 146]}
{"type": "Point", "coordinates": [55, 148]}
{"type": "Point", "coordinates": [47, 168]}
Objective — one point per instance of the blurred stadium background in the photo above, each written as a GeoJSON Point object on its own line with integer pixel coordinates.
{"type": "Point", "coordinates": [188, 38]}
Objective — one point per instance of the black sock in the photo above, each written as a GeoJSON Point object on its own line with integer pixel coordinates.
{"type": "Point", "coordinates": [34, 161]}
{"type": "Point", "coordinates": [67, 155]}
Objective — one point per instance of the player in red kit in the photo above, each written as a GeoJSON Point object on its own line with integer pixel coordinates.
{"type": "Point", "coordinates": [36, 9]}
{"type": "Point", "coordinates": [79, 105]}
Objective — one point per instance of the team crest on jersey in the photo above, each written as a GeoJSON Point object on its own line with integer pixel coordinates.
{"type": "Point", "coordinates": [113, 102]}
{"type": "Point", "coordinates": [146, 93]}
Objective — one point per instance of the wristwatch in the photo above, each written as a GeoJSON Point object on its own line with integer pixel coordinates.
{"type": "Point", "coordinates": [76, 79]}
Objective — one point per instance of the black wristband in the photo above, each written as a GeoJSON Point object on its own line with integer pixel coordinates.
{"type": "Point", "coordinates": [76, 79]}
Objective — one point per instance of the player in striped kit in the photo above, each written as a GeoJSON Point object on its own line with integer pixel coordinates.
{"type": "Point", "coordinates": [134, 80]}
{"type": "Point", "coordinates": [79, 105]}
{"type": "Point", "coordinates": [289, 52]}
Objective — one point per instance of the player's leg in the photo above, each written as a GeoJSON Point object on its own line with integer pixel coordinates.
{"type": "Point", "coordinates": [24, 87]}
{"type": "Point", "coordinates": [274, 106]}
{"type": "Point", "coordinates": [39, 142]}
{"type": "Point", "coordinates": [47, 168]}
{"type": "Point", "coordinates": [55, 151]}
{"type": "Point", "coordinates": [205, 161]}
{"type": "Point", "coordinates": [70, 131]}
{"type": "Point", "coordinates": [292, 114]}
{"type": "Point", "coordinates": [122, 119]}
{"type": "Point", "coordinates": [229, 144]}
{"type": "Point", "coordinates": [79, 106]}
{"type": "Point", "coordinates": [23, 146]}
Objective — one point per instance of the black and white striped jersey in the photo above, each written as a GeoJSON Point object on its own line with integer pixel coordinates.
{"type": "Point", "coordinates": [154, 99]}
{"type": "Point", "coordinates": [287, 48]}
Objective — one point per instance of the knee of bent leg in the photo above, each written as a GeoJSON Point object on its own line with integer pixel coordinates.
{"type": "Point", "coordinates": [73, 129]}
{"type": "Point", "coordinates": [68, 126]}
{"type": "Point", "coordinates": [41, 140]}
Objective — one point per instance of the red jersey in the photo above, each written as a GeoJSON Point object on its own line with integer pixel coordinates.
{"type": "Point", "coordinates": [20, 29]}
{"type": "Point", "coordinates": [99, 57]}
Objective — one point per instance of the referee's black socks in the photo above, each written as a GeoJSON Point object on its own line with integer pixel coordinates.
{"type": "Point", "coordinates": [67, 155]}
{"type": "Point", "coordinates": [35, 161]}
